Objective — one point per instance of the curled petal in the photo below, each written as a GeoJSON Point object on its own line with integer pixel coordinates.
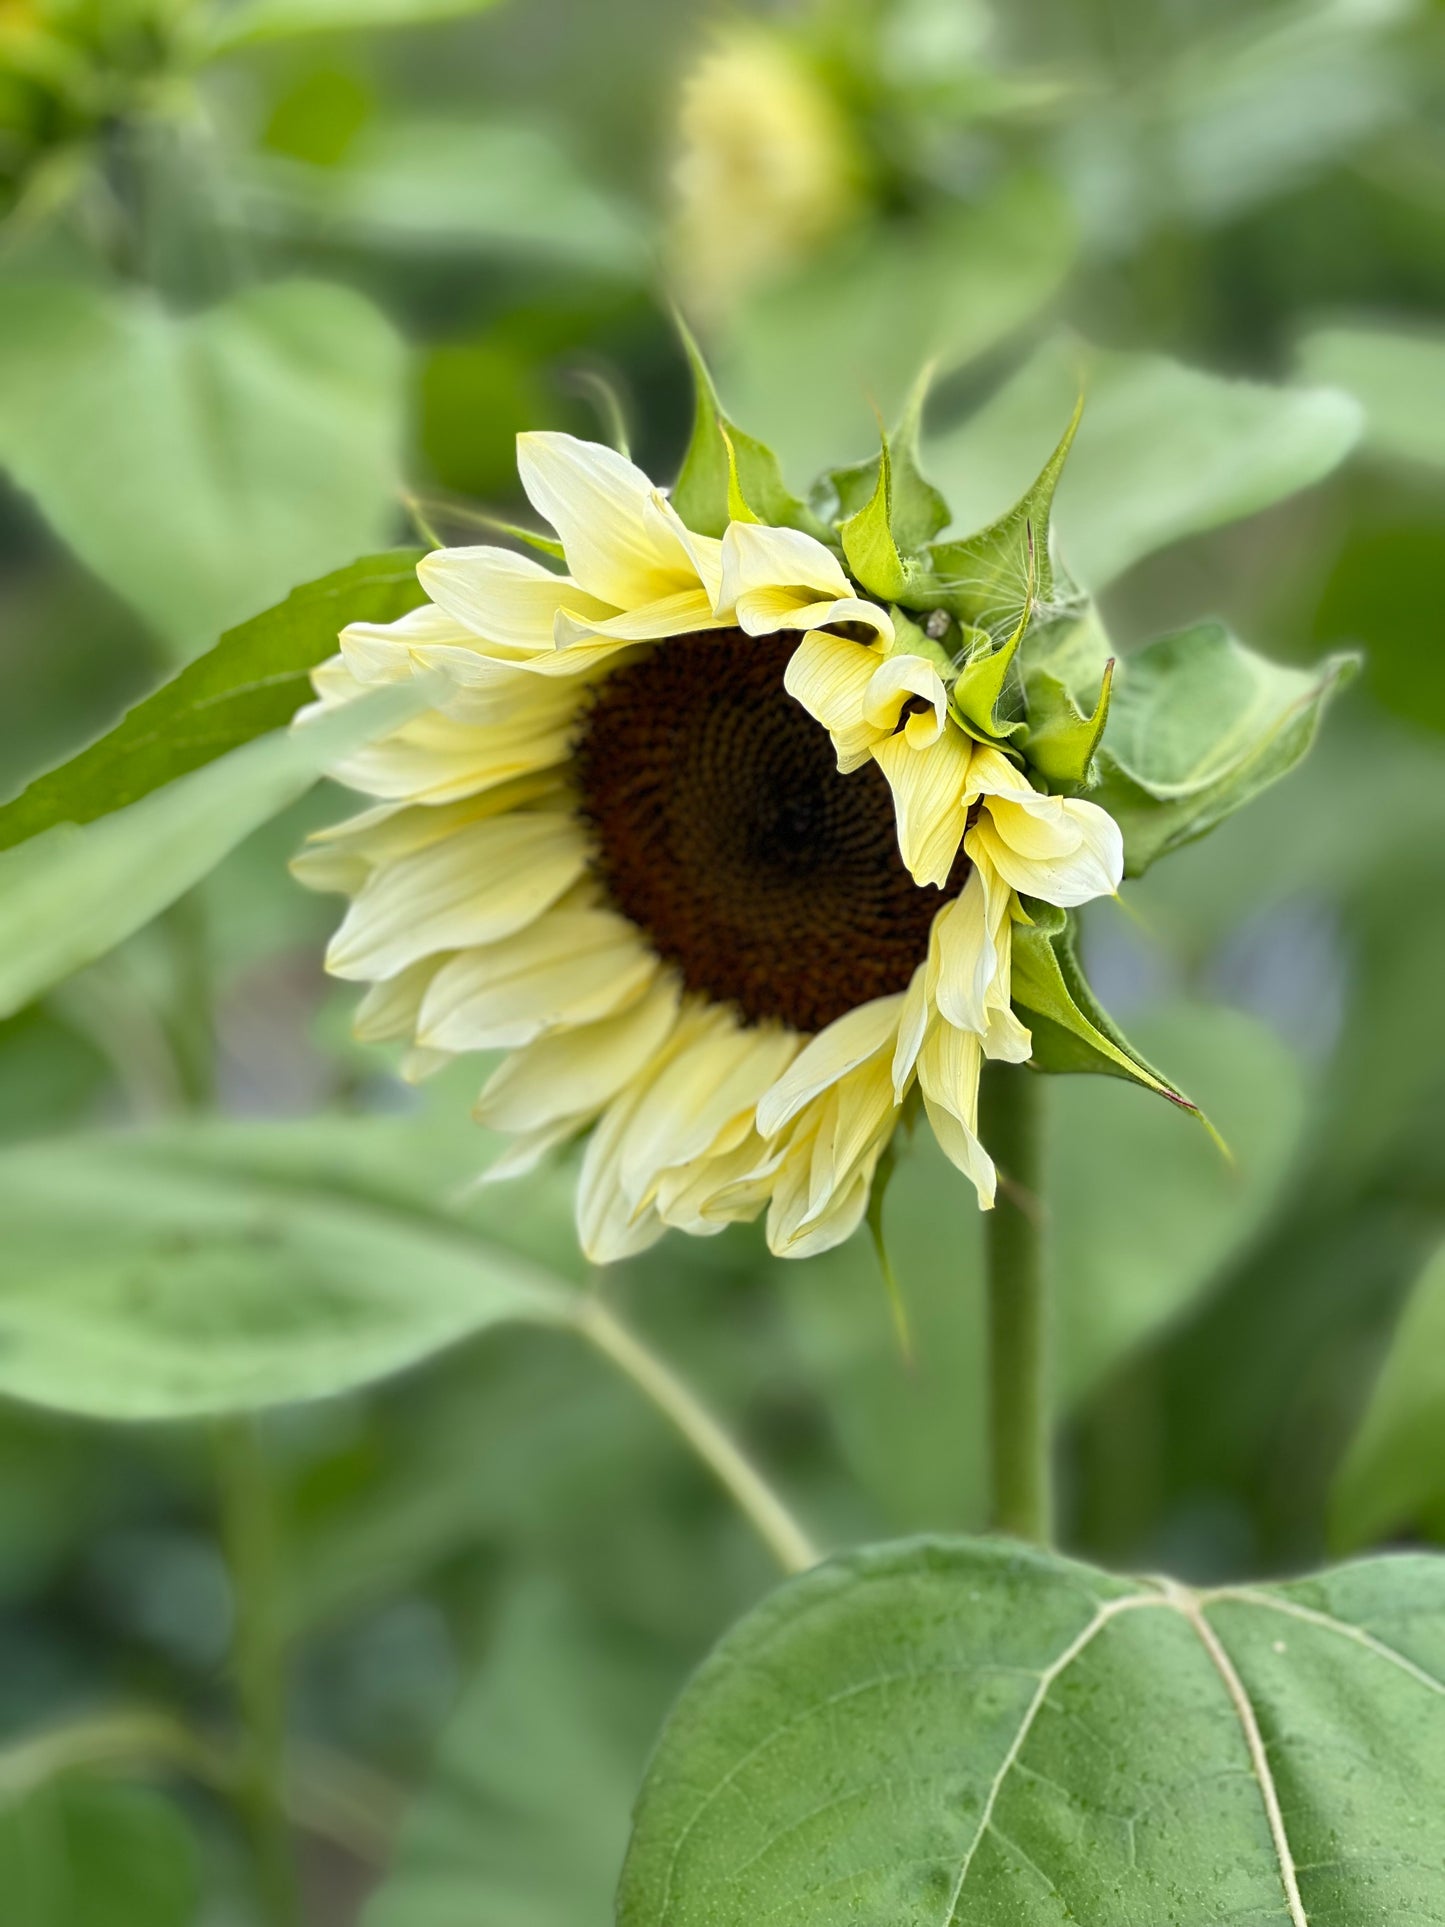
{"type": "Point", "coordinates": [928, 800]}
{"type": "Point", "coordinates": [601, 505]}
{"type": "Point", "coordinates": [505, 599]}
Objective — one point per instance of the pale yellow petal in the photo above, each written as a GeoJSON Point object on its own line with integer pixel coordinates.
{"type": "Point", "coordinates": [574, 1073]}
{"type": "Point", "coordinates": [568, 968]}
{"type": "Point", "coordinates": [474, 887]}
{"type": "Point", "coordinates": [928, 786]}
{"type": "Point", "coordinates": [949, 1067]}
{"type": "Point", "coordinates": [893, 682]}
{"type": "Point", "coordinates": [601, 505]}
{"type": "Point", "coordinates": [502, 598]}
{"type": "Point", "coordinates": [829, 1056]}
{"type": "Point", "coordinates": [680, 614]}
{"type": "Point", "coordinates": [829, 676]}
{"type": "Point", "coordinates": [1091, 868]}
{"type": "Point", "coordinates": [755, 557]}
{"type": "Point", "coordinates": [389, 1010]}
{"type": "Point", "coordinates": [708, 1086]}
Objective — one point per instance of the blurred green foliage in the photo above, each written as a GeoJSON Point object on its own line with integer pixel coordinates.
{"type": "Point", "coordinates": [266, 263]}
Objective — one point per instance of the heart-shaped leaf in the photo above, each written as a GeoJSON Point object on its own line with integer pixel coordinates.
{"type": "Point", "coordinates": [202, 465]}
{"type": "Point", "coordinates": [152, 1277]}
{"type": "Point", "coordinates": [942, 1732]}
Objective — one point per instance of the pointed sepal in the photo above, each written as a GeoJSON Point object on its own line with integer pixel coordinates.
{"type": "Point", "coordinates": [724, 463]}
{"type": "Point", "coordinates": [917, 510]}
{"type": "Point", "coordinates": [1071, 1030]}
{"type": "Point", "coordinates": [869, 547]}
{"type": "Point", "coordinates": [1062, 739]}
{"type": "Point", "coordinates": [987, 579]}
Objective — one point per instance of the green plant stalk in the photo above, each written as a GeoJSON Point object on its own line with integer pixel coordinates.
{"type": "Point", "coordinates": [735, 1472]}
{"type": "Point", "coordinates": [258, 1665]}
{"type": "Point", "coordinates": [1020, 1422]}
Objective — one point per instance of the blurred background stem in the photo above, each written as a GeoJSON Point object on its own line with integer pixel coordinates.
{"type": "Point", "coordinates": [258, 1665]}
{"type": "Point", "coordinates": [1020, 1420]}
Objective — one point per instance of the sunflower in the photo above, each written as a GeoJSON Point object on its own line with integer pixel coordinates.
{"type": "Point", "coordinates": [698, 837]}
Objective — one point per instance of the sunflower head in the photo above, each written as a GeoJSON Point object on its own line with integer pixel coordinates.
{"type": "Point", "coordinates": [744, 826]}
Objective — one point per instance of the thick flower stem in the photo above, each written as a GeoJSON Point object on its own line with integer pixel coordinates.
{"type": "Point", "coordinates": [259, 1666]}
{"type": "Point", "coordinates": [754, 1497]}
{"type": "Point", "coordinates": [1020, 1420]}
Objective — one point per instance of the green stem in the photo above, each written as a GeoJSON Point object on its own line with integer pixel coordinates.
{"type": "Point", "coordinates": [258, 1661]}
{"type": "Point", "coordinates": [755, 1498]}
{"type": "Point", "coordinates": [1020, 1421]}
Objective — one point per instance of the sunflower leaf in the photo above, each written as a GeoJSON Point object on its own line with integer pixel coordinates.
{"type": "Point", "coordinates": [722, 461]}
{"type": "Point", "coordinates": [946, 1730]}
{"type": "Point", "coordinates": [1072, 1032]}
{"type": "Point", "coordinates": [990, 578]}
{"type": "Point", "coordinates": [251, 682]}
{"type": "Point", "coordinates": [1199, 725]}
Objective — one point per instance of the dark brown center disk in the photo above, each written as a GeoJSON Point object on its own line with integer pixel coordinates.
{"type": "Point", "coordinates": [724, 831]}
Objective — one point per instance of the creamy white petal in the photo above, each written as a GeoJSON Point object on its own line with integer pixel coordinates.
{"type": "Point", "coordinates": [569, 968]}
{"type": "Point", "coordinates": [618, 547]}
{"type": "Point", "coordinates": [389, 1010]}
{"type": "Point", "coordinates": [674, 615]}
{"type": "Point", "coordinates": [711, 1084]}
{"type": "Point", "coordinates": [835, 1051]}
{"type": "Point", "coordinates": [914, 1019]}
{"type": "Point", "coordinates": [435, 759]}
{"type": "Point", "coordinates": [892, 683]}
{"type": "Point", "coordinates": [927, 787]}
{"type": "Point", "coordinates": [703, 551]}
{"type": "Point", "coordinates": [527, 1150]}
{"type": "Point", "coordinates": [763, 612]}
{"type": "Point", "coordinates": [474, 887]}
{"type": "Point", "coordinates": [608, 1228]}
{"type": "Point", "coordinates": [860, 1117]}
{"type": "Point", "coordinates": [968, 954]}
{"type": "Point", "coordinates": [502, 598]}
{"type": "Point", "coordinates": [829, 676]}
{"type": "Point", "coordinates": [342, 856]}
{"type": "Point", "coordinates": [755, 557]}
{"type": "Point", "coordinates": [949, 1066]}
{"type": "Point", "coordinates": [379, 652]}
{"type": "Point", "coordinates": [1091, 869]}
{"type": "Point", "coordinates": [574, 1073]}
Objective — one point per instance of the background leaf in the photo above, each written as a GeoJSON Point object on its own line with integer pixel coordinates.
{"type": "Point", "coordinates": [241, 23]}
{"type": "Point", "coordinates": [1394, 1475]}
{"type": "Point", "coordinates": [147, 1277]}
{"type": "Point", "coordinates": [254, 680]}
{"type": "Point", "coordinates": [525, 1820]}
{"type": "Point", "coordinates": [865, 320]}
{"type": "Point", "coordinates": [202, 465]}
{"type": "Point", "coordinates": [75, 1854]}
{"type": "Point", "coordinates": [1399, 378]}
{"type": "Point", "coordinates": [1163, 451]}
{"type": "Point", "coordinates": [944, 1730]}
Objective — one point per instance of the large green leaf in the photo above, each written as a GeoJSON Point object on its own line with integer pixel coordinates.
{"type": "Point", "coordinates": [244, 23]}
{"type": "Point", "coordinates": [1163, 451]}
{"type": "Point", "coordinates": [943, 1732]}
{"type": "Point", "coordinates": [524, 1821]}
{"type": "Point", "coordinates": [74, 892]}
{"type": "Point", "coordinates": [77, 1854]}
{"type": "Point", "coordinates": [254, 680]}
{"type": "Point", "coordinates": [1394, 1475]}
{"type": "Point", "coordinates": [1199, 725]}
{"type": "Point", "coordinates": [862, 322]}
{"type": "Point", "coordinates": [1399, 378]}
{"type": "Point", "coordinates": [461, 185]}
{"type": "Point", "coordinates": [202, 465]}
{"type": "Point", "coordinates": [151, 1277]}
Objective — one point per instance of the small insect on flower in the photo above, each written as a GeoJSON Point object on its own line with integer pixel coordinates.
{"type": "Point", "coordinates": [728, 851]}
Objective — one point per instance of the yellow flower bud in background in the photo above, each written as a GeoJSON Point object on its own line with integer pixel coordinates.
{"type": "Point", "coordinates": [767, 170]}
